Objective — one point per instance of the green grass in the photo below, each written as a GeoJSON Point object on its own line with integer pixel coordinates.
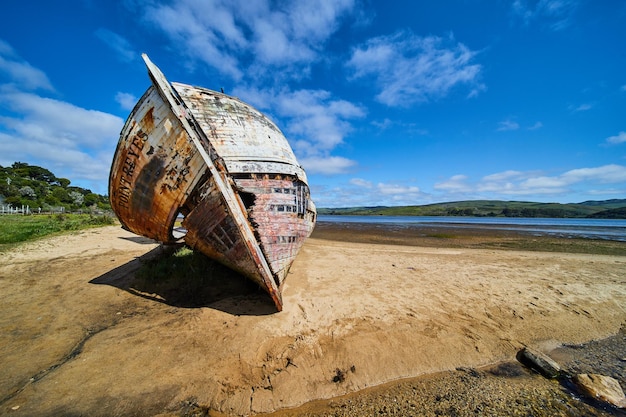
{"type": "Point", "coordinates": [16, 229]}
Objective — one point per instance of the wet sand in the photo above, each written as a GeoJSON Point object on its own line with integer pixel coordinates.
{"type": "Point", "coordinates": [467, 236]}
{"type": "Point", "coordinates": [365, 313]}
{"type": "Point", "coordinates": [503, 389]}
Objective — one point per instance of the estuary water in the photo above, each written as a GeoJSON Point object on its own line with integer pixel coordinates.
{"type": "Point", "coordinates": [609, 229]}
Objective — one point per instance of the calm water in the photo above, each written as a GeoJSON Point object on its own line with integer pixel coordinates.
{"type": "Point", "coordinates": [610, 229]}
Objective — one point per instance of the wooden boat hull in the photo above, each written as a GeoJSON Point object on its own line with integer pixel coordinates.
{"type": "Point", "coordinates": [222, 165]}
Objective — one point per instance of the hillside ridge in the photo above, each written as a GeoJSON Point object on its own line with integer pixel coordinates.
{"type": "Point", "coordinates": [609, 209]}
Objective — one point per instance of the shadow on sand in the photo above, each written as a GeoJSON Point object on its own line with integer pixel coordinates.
{"type": "Point", "coordinates": [189, 281]}
{"type": "Point", "coordinates": [139, 239]}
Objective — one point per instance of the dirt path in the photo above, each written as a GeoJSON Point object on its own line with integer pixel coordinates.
{"type": "Point", "coordinates": [77, 338]}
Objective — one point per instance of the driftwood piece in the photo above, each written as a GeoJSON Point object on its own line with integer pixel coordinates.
{"type": "Point", "coordinates": [539, 362]}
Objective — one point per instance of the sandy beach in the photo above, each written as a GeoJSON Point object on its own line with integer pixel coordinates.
{"type": "Point", "coordinates": [80, 337]}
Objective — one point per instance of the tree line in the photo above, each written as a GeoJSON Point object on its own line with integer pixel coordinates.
{"type": "Point", "coordinates": [515, 212]}
{"type": "Point", "coordinates": [22, 184]}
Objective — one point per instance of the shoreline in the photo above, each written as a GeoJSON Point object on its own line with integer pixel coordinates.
{"type": "Point", "coordinates": [468, 236]}
{"type": "Point", "coordinates": [96, 341]}
{"type": "Point", "coordinates": [504, 388]}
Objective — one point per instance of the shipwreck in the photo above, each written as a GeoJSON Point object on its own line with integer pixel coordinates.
{"type": "Point", "coordinates": [224, 168]}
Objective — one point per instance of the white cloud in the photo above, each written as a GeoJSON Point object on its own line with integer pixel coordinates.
{"type": "Point", "coordinates": [533, 183]}
{"type": "Point", "coordinates": [361, 192]}
{"type": "Point", "coordinates": [71, 141]}
{"type": "Point", "coordinates": [234, 35]}
{"type": "Point", "coordinates": [537, 125]}
{"type": "Point", "coordinates": [20, 73]}
{"type": "Point", "coordinates": [316, 117]}
{"type": "Point", "coordinates": [541, 183]}
{"type": "Point", "coordinates": [329, 165]}
{"type": "Point", "coordinates": [125, 100]}
{"type": "Point", "coordinates": [555, 14]}
{"type": "Point", "coordinates": [117, 43]}
{"type": "Point", "coordinates": [504, 176]}
{"type": "Point", "coordinates": [410, 69]}
{"type": "Point", "coordinates": [209, 35]}
{"type": "Point", "coordinates": [314, 122]}
{"type": "Point", "coordinates": [410, 128]}
{"type": "Point", "coordinates": [269, 44]}
{"type": "Point", "coordinates": [395, 189]}
{"type": "Point", "coordinates": [359, 182]}
{"type": "Point", "coordinates": [318, 19]}
{"type": "Point", "coordinates": [607, 174]}
{"type": "Point", "coordinates": [456, 184]}
{"type": "Point", "coordinates": [607, 192]}
{"type": "Point", "coordinates": [502, 182]}
{"type": "Point", "coordinates": [617, 139]}
{"type": "Point", "coordinates": [58, 122]}
{"type": "Point", "coordinates": [384, 124]}
{"type": "Point", "coordinates": [605, 181]}
{"type": "Point", "coordinates": [506, 125]}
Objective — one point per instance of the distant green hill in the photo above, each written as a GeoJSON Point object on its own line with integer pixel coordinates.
{"type": "Point", "coordinates": [607, 204]}
{"type": "Point", "coordinates": [22, 184]}
{"type": "Point", "coordinates": [614, 209]}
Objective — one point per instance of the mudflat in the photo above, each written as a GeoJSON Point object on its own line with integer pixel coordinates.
{"type": "Point", "coordinates": [80, 336]}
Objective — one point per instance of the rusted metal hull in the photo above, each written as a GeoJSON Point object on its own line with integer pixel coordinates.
{"type": "Point", "coordinates": [222, 165]}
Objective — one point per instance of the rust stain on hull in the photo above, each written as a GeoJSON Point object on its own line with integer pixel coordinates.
{"type": "Point", "coordinates": [222, 165]}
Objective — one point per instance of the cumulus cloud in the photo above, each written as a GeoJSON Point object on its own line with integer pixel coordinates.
{"type": "Point", "coordinates": [617, 139]}
{"type": "Point", "coordinates": [72, 141]}
{"type": "Point", "coordinates": [359, 182]}
{"type": "Point", "coordinates": [384, 124]}
{"type": "Point", "coordinates": [607, 174]}
{"type": "Point", "coordinates": [314, 121]}
{"type": "Point", "coordinates": [409, 128]}
{"type": "Point", "coordinates": [327, 165]}
{"type": "Point", "coordinates": [317, 118]}
{"type": "Point", "coordinates": [20, 73]}
{"type": "Point", "coordinates": [386, 188]}
{"type": "Point", "coordinates": [209, 35]}
{"type": "Point", "coordinates": [409, 69]}
{"type": "Point", "coordinates": [269, 44]}
{"type": "Point", "coordinates": [504, 176]}
{"type": "Point", "coordinates": [125, 100]}
{"type": "Point", "coordinates": [534, 183]}
{"type": "Point", "coordinates": [117, 43]}
{"type": "Point", "coordinates": [396, 189]}
{"type": "Point", "coordinates": [593, 182]}
{"type": "Point", "coordinates": [456, 184]}
{"type": "Point", "coordinates": [360, 192]}
{"type": "Point", "coordinates": [231, 35]}
{"type": "Point", "coordinates": [47, 120]}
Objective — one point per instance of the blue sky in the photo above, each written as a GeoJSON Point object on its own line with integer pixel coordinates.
{"type": "Point", "coordinates": [384, 102]}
